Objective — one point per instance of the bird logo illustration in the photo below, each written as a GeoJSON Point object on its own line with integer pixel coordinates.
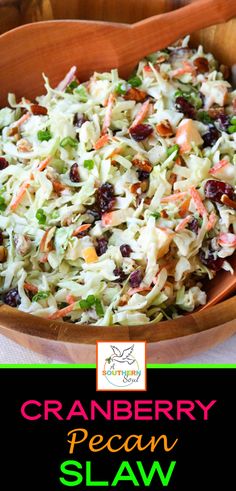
{"type": "Point", "coordinates": [121, 357]}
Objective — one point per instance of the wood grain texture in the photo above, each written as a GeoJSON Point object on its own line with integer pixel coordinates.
{"type": "Point", "coordinates": [39, 44]}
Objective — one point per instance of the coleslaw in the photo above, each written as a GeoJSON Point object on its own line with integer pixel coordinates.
{"type": "Point", "coordinates": [117, 197]}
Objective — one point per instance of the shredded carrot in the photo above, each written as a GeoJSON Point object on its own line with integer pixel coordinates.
{"type": "Point", "coordinates": [101, 142]}
{"type": "Point", "coordinates": [70, 299]}
{"type": "Point", "coordinates": [81, 228]}
{"type": "Point", "coordinates": [30, 287]}
{"type": "Point", "coordinates": [147, 68]}
{"type": "Point", "coordinates": [107, 118]}
{"type": "Point", "coordinates": [212, 219]}
{"type": "Point", "coordinates": [198, 201]}
{"type": "Point", "coordinates": [141, 114]}
{"type": "Point", "coordinates": [183, 223]}
{"type": "Point", "coordinates": [16, 201]}
{"type": "Point", "coordinates": [21, 192]}
{"type": "Point", "coordinates": [187, 68]}
{"type": "Point", "coordinates": [217, 167]}
{"type": "Point", "coordinates": [183, 209]}
{"type": "Point", "coordinates": [44, 258]}
{"type": "Point", "coordinates": [62, 312]}
{"type": "Point", "coordinates": [139, 289]}
{"type": "Point", "coordinates": [42, 165]}
{"type": "Point", "coordinates": [173, 197]}
{"type": "Point", "coordinates": [22, 120]}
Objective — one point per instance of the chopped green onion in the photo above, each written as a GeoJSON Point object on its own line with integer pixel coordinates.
{"type": "Point", "coordinates": [68, 141]}
{"type": "Point", "coordinates": [55, 214]}
{"type": "Point", "coordinates": [196, 100]}
{"type": "Point", "coordinates": [73, 85]}
{"type": "Point", "coordinates": [82, 93]}
{"type": "Point", "coordinates": [83, 304]}
{"type": "Point", "coordinates": [233, 121]}
{"type": "Point", "coordinates": [152, 58]}
{"type": "Point", "coordinates": [91, 299]}
{"type": "Point", "coordinates": [99, 308]}
{"type": "Point", "coordinates": [41, 216]}
{"type": "Point", "coordinates": [3, 205]}
{"type": "Point", "coordinates": [40, 296]}
{"type": "Point", "coordinates": [204, 117]}
{"type": "Point", "coordinates": [89, 164]}
{"type": "Point", "coordinates": [232, 129]}
{"type": "Point", "coordinates": [121, 89]}
{"type": "Point", "coordinates": [173, 149]}
{"type": "Point", "coordinates": [44, 135]}
{"type": "Point", "coordinates": [156, 214]}
{"type": "Point", "coordinates": [3, 189]}
{"type": "Point", "coordinates": [135, 81]}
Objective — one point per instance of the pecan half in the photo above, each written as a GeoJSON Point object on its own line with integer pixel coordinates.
{"type": "Point", "coordinates": [201, 64]}
{"type": "Point", "coordinates": [134, 94]}
{"type": "Point", "coordinates": [164, 128]}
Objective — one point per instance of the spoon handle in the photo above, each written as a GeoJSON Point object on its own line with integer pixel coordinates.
{"type": "Point", "coordinates": [178, 23]}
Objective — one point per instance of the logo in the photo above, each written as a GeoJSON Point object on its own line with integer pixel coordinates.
{"type": "Point", "coordinates": [121, 365]}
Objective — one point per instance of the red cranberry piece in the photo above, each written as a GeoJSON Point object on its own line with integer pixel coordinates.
{"type": "Point", "coordinates": [183, 106]}
{"type": "Point", "coordinates": [121, 276]}
{"type": "Point", "coordinates": [1, 237]}
{"type": "Point", "coordinates": [210, 261]}
{"type": "Point", "coordinates": [74, 173]}
{"type": "Point", "coordinates": [125, 250]}
{"type": "Point", "coordinates": [101, 246]}
{"type": "Point", "coordinates": [79, 119]}
{"type": "Point", "coordinates": [12, 298]}
{"type": "Point", "coordinates": [3, 163]}
{"type": "Point", "coordinates": [141, 132]}
{"type": "Point", "coordinates": [136, 278]}
{"type": "Point", "coordinates": [105, 197]}
{"type": "Point", "coordinates": [194, 225]}
{"type": "Point", "coordinates": [214, 190]}
{"type": "Point", "coordinates": [211, 137]}
{"type": "Point", "coordinates": [142, 175]}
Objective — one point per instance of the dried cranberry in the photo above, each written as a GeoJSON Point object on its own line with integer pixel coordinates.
{"type": "Point", "coordinates": [3, 163]}
{"type": "Point", "coordinates": [121, 276]}
{"type": "Point", "coordinates": [210, 261]}
{"type": "Point", "coordinates": [12, 298]}
{"type": "Point", "coordinates": [105, 197]}
{"type": "Point", "coordinates": [183, 106]}
{"type": "Point", "coordinates": [142, 175]}
{"type": "Point", "coordinates": [141, 132]}
{"type": "Point", "coordinates": [214, 190]}
{"type": "Point", "coordinates": [74, 173]}
{"type": "Point", "coordinates": [136, 278]}
{"type": "Point", "coordinates": [79, 119]}
{"type": "Point", "coordinates": [101, 246]}
{"type": "Point", "coordinates": [125, 250]}
{"type": "Point", "coordinates": [224, 121]}
{"type": "Point", "coordinates": [194, 225]}
{"type": "Point", "coordinates": [1, 237]}
{"type": "Point", "coordinates": [211, 137]}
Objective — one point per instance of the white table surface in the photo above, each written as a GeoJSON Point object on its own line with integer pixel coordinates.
{"type": "Point", "coordinates": [11, 352]}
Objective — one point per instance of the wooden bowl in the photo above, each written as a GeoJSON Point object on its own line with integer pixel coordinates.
{"type": "Point", "coordinates": [168, 341]}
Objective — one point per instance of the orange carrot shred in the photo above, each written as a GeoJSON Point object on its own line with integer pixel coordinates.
{"type": "Point", "coordinates": [141, 114]}
{"type": "Point", "coordinates": [70, 299]}
{"type": "Point", "coordinates": [198, 201]}
{"type": "Point", "coordinates": [62, 312]}
{"type": "Point", "coordinates": [81, 228]}
{"type": "Point", "coordinates": [181, 225]}
{"type": "Point", "coordinates": [30, 287]}
{"type": "Point", "coordinates": [184, 207]}
{"type": "Point", "coordinates": [173, 197]}
{"type": "Point", "coordinates": [107, 118]}
{"type": "Point", "coordinates": [101, 142]}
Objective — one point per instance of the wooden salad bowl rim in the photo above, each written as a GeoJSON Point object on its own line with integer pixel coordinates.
{"type": "Point", "coordinates": [13, 320]}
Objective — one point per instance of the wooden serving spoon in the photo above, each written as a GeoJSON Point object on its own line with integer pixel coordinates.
{"type": "Point", "coordinates": [96, 46]}
{"type": "Point", "coordinates": [52, 47]}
